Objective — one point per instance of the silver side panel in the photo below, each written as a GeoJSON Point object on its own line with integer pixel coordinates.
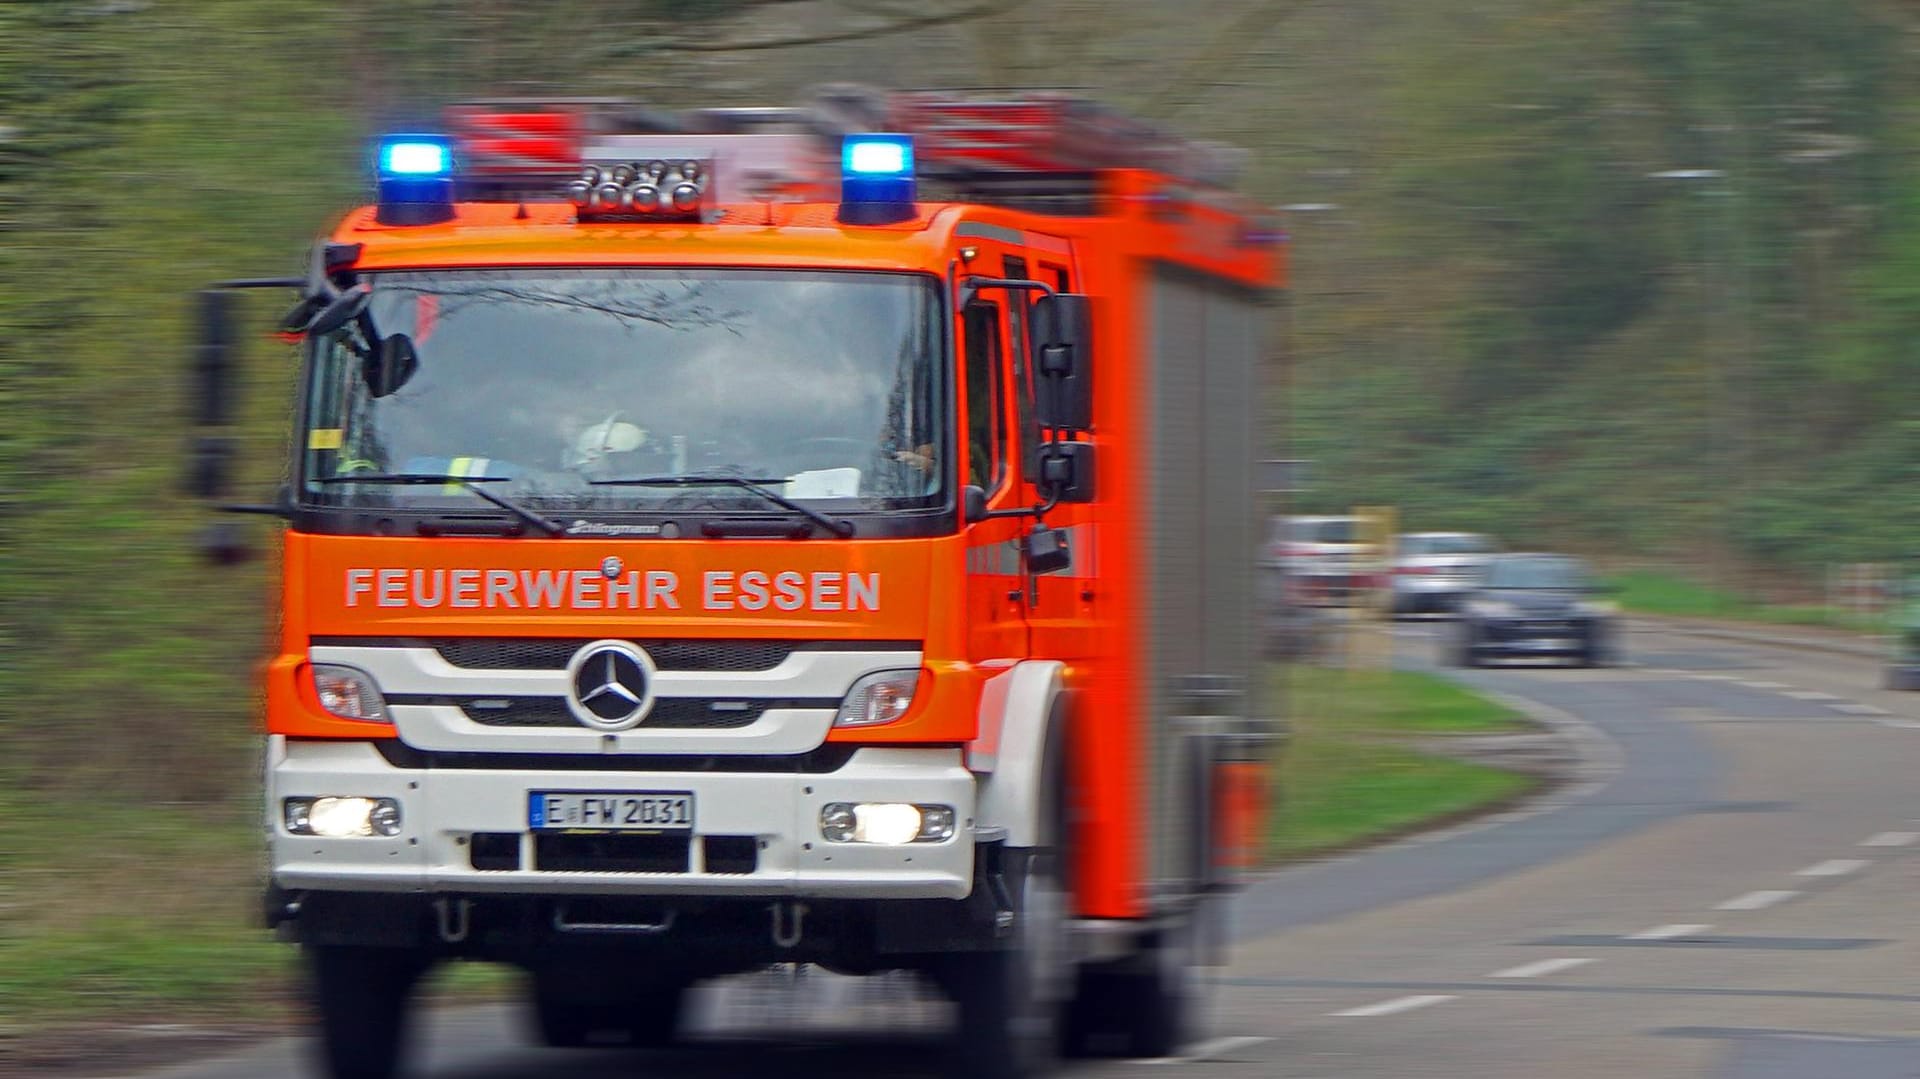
{"type": "Point", "coordinates": [1203, 363]}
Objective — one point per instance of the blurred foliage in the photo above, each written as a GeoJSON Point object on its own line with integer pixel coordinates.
{"type": "Point", "coordinates": [1499, 320]}
{"type": "Point", "coordinates": [1568, 348]}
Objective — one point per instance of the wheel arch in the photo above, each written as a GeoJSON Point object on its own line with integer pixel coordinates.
{"type": "Point", "coordinates": [1023, 726]}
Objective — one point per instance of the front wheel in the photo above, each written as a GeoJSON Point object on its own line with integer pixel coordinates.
{"type": "Point", "coordinates": [1145, 1007]}
{"type": "Point", "coordinates": [363, 996]}
{"type": "Point", "coordinates": [1008, 999]}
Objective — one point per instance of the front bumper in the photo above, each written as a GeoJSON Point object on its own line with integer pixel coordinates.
{"type": "Point", "coordinates": [442, 809]}
{"type": "Point", "coordinates": [1430, 593]}
{"type": "Point", "coordinates": [1557, 637]}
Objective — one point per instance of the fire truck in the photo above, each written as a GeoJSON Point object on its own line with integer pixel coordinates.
{"type": "Point", "coordinates": [740, 537]}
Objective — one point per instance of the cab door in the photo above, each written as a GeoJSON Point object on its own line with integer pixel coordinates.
{"type": "Point", "coordinates": [996, 586]}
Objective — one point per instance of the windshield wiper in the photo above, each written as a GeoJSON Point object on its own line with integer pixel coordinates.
{"type": "Point", "coordinates": [843, 529]}
{"type": "Point", "coordinates": [469, 484]}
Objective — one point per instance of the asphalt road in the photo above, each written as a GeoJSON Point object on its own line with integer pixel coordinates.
{"type": "Point", "coordinates": [1730, 895]}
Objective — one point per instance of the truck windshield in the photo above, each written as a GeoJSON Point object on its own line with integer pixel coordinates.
{"type": "Point", "coordinates": [825, 387]}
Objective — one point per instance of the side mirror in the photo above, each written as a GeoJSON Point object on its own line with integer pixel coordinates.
{"type": "Point", "coordinates": [390, 365]}
{"type": "Point", "coordinates": [302, 314]}
{"type": "Point", "coordinates": [1064, 471]}
{"type": "Point", "coordinates": [213, 360]}
{"type": "Point", "coordinates": [340, 312]}
{"type": "Point", "coordinates": [1063, 361]}
{"type": "Point", "coordinates": [1047, 550]}
{"type": "Point", "coordinates": [973, 503]}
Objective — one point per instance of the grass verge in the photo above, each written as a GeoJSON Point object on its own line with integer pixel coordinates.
{"type": "Point", "coordinates": [1654, 592]}
{"type": "Point", "coordinates": [1343, 781]}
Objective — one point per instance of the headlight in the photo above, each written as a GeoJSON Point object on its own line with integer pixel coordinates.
{"type": "Point", "coordinates": [880, 697]}
{"type": "Point", "coordinates": [337, 817]}
{"type": "Point", "coordinates": [885, 823]}
{"type": "Point", "coordinates": [349, 693]}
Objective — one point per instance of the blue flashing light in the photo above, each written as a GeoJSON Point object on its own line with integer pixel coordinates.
{"type": "Point", "coordinates": [415, 174]}
{"type": "Point", "coordinates": [876, 179]}
{"type": "Point", "coordinates": [877, 155]}
{"type": "Point", "coordinates": [414, 158]}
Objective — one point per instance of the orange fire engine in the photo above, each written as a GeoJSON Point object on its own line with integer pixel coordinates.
{"type": "Point", "coordinates": [758, 536]}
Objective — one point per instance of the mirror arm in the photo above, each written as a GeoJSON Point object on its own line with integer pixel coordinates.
{"type": "Point", "coordinates": [262, 282]}
{"type": "Point", "coordinates": [260, 509]}
{"type": "Point", "coordinates": [969, 286]}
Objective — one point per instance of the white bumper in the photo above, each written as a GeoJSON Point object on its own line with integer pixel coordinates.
{"type": "Point", "coordinates": [440, 809]}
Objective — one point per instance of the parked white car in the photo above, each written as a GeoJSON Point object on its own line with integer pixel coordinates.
{"type": "Point", "coordinates": [1324, 554]}
{"type": "Point", "coordinates": [1433, 571]}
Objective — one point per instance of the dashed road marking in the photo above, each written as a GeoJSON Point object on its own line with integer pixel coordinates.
{"type": "Point", "coordinates": [1669, 932]}
{"type": "Point", "coordinates": [1756, 900]}
{"type": "Point", "coordinates": [1853, 709]}
{"type": "Point", "coordinates": [1834, 867]}
{"type": "Point", "coordinates": [1541, 968]}
{"type": "Point", "coordinates": [1761, 685]}
{"type": "Point", "coordinates": [1811, 695]}
{"type": "Point", "coordinates": [1394, 1006]}
{"type": "Point", "coordinates": [1891, 839]}
{"type": "Point", "coordinates": [1212, 1050]}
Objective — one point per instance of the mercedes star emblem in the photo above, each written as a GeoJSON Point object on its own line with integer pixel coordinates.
{"type": "Point", "coordinates": [610, 685]}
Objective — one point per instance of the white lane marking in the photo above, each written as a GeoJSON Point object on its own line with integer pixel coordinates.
{"type": "Point", "coordinates": [1756, 900]}
{"type": "Point", "coordinates": [1209, 1051]}
{"type": "Point", "coordinates": [1716, 677]}
{"type": "Point", "coordinates": [1670, 932]}
{"type": "Point", "coordinates": [1891, 839]}
{"type": "Point", "coordinates": [1834, 867]}
{"type": "Point", "coordinates": [1853, 709]}
{"type": "Point", "coordinates": [1811, 695]}
{"type": "Point", "coordinates": [1541, 968]}
{"type": "Point", "coordinates": [1394, 1006]}
{"type": "Point", "coordinates": [1761, 685]}
{"type": "Point", "coordinates": [1899, 724]}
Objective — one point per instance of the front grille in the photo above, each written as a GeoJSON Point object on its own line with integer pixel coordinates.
{"type": "Point", "coordinates": [537, 654]}
{"type": "Point", "coordinates": [559, 853]}
{"type": "Point", "coordinates": [824, 760]}
{"type": "Point", "coordinates": [553, 653]}
{"type": "Point", "coordinates": [668, 713]}
{"type": "Point", "coordinates": [493, 851]}
{"type": "Point", "coordinates": [730, 853]}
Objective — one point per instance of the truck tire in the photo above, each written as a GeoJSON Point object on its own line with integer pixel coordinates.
{"type": "Point", "coordinates": [1903, 679]}
{"type": "Point", "coordinates": [363, 996]}
{"type": "Point", "coordinates": [1007, 999]}
{"type": "Point", "coordinates": [1145, 1007]}
{"type": "Point", "coordinates": [647, 1017]}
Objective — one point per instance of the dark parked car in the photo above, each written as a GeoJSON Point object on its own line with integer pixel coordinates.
{"type": "Point", "coordinates": [1536, 605]}
{"type": "Point", "coordinates": [1903, 672]}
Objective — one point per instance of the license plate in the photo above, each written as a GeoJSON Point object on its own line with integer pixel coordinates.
{"type": "Point", "coordinates": [610, 811]}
